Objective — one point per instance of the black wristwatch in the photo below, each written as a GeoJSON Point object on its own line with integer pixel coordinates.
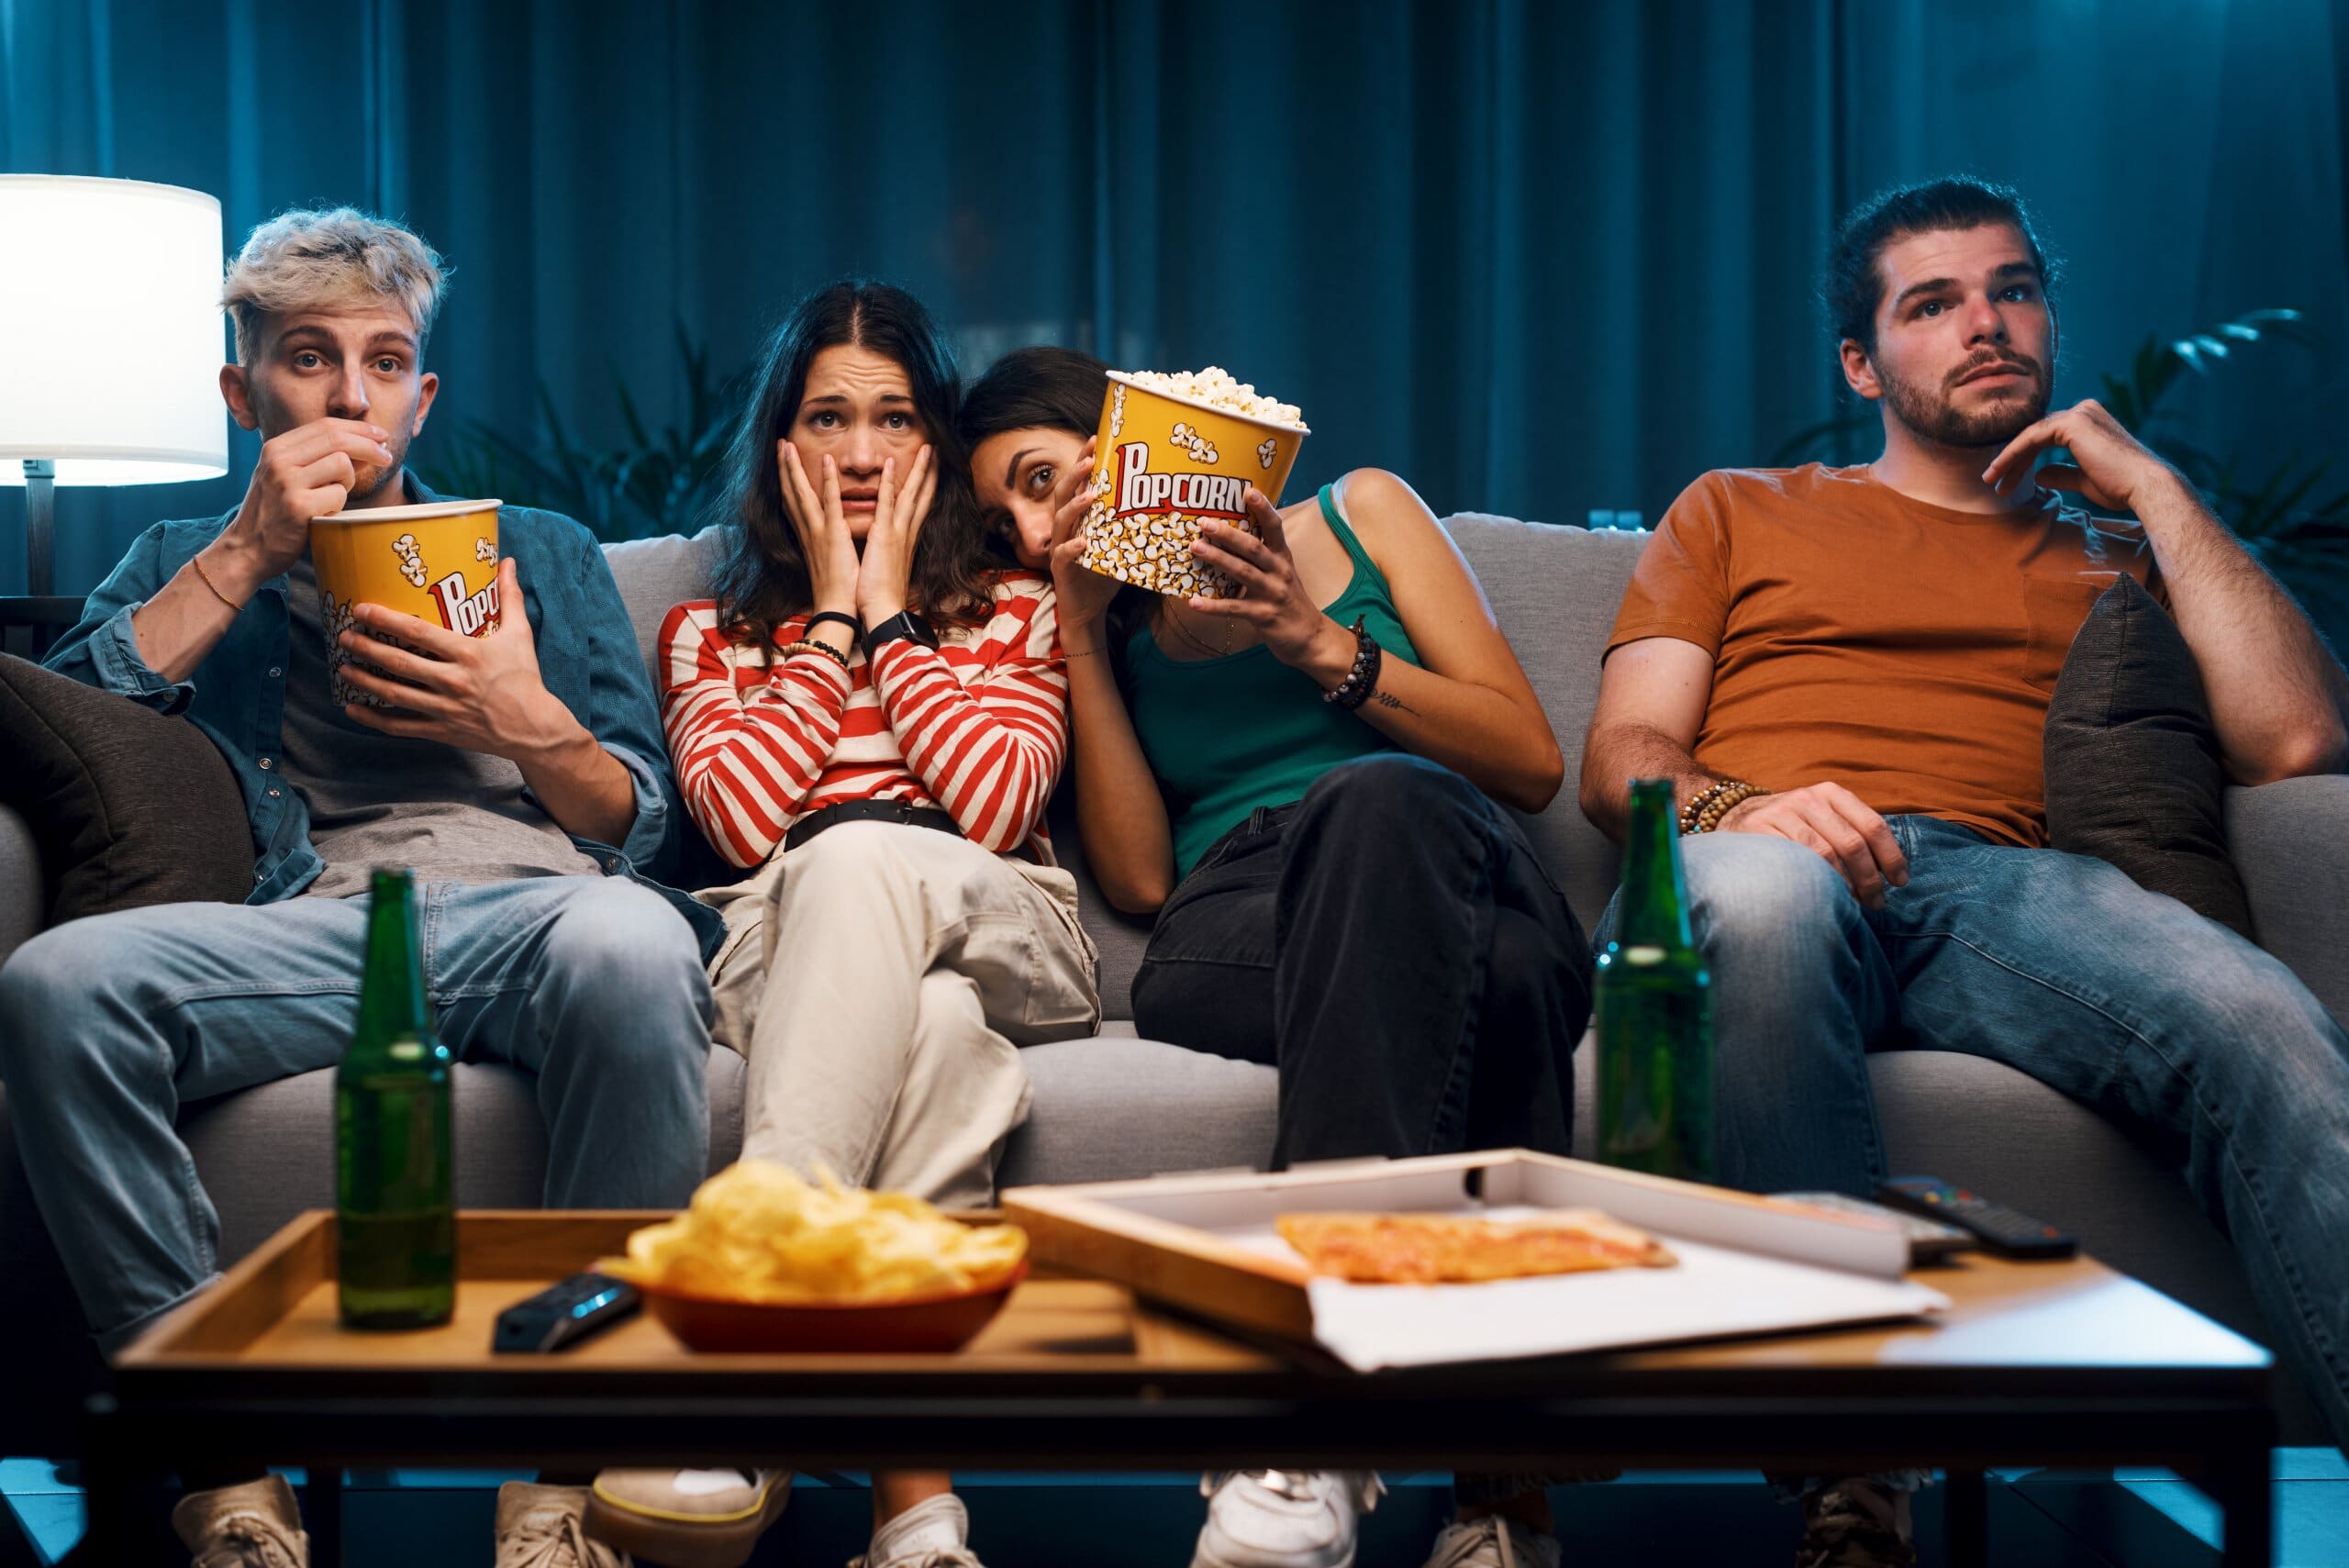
{"type": "Point", "coordinates": [904, 624]}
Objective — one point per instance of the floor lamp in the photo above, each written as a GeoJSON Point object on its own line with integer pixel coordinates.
{"type": "Point", "coordinates": [110, 351]}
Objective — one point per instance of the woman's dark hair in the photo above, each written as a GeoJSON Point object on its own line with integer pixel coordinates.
{"type": "Point", "coordinates": [1042, 388]}
{"type": "Point", "coordinates": [765, 578]}
{"type": "Point", "coordinates": [1851, 287]}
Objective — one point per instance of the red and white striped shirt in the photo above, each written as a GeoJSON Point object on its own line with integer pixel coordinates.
{"type": "Point", "coordinates": [978, 726]}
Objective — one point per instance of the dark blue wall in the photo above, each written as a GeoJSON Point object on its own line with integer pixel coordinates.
{"type": "Point", "coordinates": [1538, 257]}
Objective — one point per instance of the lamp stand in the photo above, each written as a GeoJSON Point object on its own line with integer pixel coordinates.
{"type": "Point", "coordinates": [30, 623]}
{"type": "Point", "coordinates": [40, 526]}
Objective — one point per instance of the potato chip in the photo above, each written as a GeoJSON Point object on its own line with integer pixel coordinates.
{"type": "Point", "coordinates": [756, 1232]}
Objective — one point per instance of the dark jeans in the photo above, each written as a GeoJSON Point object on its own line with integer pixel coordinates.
{"type": "Point", "coordinates": [1392, 945]}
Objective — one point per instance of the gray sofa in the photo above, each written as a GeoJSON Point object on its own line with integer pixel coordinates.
{"type": "Point", "coordinates": [1116, 1106]}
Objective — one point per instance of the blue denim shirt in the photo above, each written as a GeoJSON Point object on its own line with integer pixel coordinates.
{"type": "Point", "coordinates": [587, 657]}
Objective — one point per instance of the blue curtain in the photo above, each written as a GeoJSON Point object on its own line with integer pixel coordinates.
{"type": "Point", "coordinates": [1540, 258]}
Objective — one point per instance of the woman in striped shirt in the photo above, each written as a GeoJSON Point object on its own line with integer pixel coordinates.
{"type": "Point", "coordinates": [871, 714]}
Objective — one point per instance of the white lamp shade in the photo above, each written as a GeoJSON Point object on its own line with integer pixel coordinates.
{"type": "Point", "coordinates": [110, 334]}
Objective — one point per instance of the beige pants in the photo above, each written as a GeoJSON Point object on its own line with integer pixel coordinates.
{"type": "Point", "coordinates": [878, 980]}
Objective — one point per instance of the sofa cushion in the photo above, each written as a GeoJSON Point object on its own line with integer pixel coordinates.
{"type": "Point", "coordinates": [23, 900]}
{"type": "Point", "coordinates": [655, 575]}
{"type": "Point", "coordinates": [2133, 773]}
{"type": "Point", "coordinates": [267, 1153]}
{"type": "Point", "coordinates": [2289, 840]}
{"type": "Point", "coordinates": [1556, 591]}
{"type": "Point", "coordinates": [127, 806]}
{"type": "Point", "coordinates": [1119, 938]}
{"type": "Point", "coordinates": [1113, 1106]}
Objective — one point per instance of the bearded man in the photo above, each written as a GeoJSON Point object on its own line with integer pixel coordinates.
{"type": "Point", "coordinates": [1857, 664]}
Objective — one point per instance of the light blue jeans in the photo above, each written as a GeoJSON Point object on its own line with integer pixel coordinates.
{"type": "Point", "coordinates": [2059, 966]}
{"type": "Point", "coordinates": [108, 1024]}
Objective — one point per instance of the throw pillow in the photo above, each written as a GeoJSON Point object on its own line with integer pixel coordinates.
{"type": "Point", "coordinates": [2134, 770]}
{"type": "Point", "coordinates": [129, 807]}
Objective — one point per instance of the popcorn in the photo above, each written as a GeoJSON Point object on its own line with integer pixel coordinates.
{"type": "Point", "coordinates": [1215, 387]}
{"type": "Point", "coordinates": [411, 559]}
{"type": "Point", "coordinates": [485, 549]}
{"type": "Point", "coordinates": [1159, 476]}
{"type": "Point", "coordinates": [1183, 438]}
{"type": "Point", "coordinates": [340, 618]}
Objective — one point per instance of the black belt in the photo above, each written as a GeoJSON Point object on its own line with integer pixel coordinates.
{"type": "Point", "coordinates": [897, 811]}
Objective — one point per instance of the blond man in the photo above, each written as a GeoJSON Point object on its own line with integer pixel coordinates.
{"type": "Point", "coordinates": [522, 775]}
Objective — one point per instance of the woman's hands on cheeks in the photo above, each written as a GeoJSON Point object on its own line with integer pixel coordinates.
{"type": "Point", "coordinates": [1273, 599]}
{"type": "Point", "coordinates": [1082, 593]}
{"type": "Point", "coordinates": [898, 518]}
{"type": "Point", "coordinates": [824, 538]}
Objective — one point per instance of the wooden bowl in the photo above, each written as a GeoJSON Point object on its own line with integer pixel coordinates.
{"type": "Point", "coordinates": [912, 1325]}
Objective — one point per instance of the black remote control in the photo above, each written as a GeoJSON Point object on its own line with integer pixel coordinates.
{"type": "Point", "coordinates": [2001, 1231]}
{"type": "Point", "coordinates": [565, 1313]}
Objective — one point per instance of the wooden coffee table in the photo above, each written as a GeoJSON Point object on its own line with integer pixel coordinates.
{"type": "Point", "coordinates": [2066, 1364]}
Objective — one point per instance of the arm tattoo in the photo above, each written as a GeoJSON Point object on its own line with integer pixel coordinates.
{"type": "Point", "coordinates": [1388, 699]}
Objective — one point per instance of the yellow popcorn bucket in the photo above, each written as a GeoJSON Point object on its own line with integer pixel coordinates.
{"type": "Point", "coordinates": [1162, 465]}
{"type": "Point", "coordinates": [436, 562]}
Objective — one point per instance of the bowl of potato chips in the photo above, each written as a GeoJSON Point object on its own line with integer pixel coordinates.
{"type": "Point", "coordinates": [764, 1261]}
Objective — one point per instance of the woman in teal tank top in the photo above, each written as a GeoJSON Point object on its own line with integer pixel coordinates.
{"type": "Point", "coordinates": [1338, 890]}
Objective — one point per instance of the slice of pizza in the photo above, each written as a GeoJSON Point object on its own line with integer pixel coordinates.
{"type": "Point", "coordinates": [1445, 1249]}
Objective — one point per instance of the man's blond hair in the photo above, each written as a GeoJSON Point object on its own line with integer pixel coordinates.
{"type": "Point", "coordinates": [303, 260]}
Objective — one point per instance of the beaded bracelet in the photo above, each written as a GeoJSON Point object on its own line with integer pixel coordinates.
{"type": "Point", "coordinates": [1701, 799]}
{"type": "Point", "coordinates": [809, 645]}
{"type": "Point", "coordinates": [1361, 680]}
{"type": "Point", "coordinates": [1708, 806]}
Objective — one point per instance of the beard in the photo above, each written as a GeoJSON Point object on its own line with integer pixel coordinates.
{"type": "Point", "coordinates": [1931, 413]}
{"type": "Point", "coordinates": [371, 479]}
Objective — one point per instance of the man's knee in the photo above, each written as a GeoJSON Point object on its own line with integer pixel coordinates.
{"type": "Point", "coordinates": [620, 950]}
{"type": "Point", "coordinates": [2242, 1012]}
{"type": "Point", "coordinates": [56, 977]}
{"type": "Point", "coordinates": [1751, 892]}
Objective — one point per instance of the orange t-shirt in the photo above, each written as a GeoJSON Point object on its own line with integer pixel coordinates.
{"type": "Point", "coordinates": [1903, 650]}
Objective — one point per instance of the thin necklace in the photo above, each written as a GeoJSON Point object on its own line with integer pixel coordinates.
{"type": "Point", "coordinates": [1187, 634]}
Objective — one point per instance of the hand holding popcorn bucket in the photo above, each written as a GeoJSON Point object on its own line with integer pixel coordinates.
{"type": "Point", "coordinates": [1174, 451]}
{"type": "Point", "coordinates": [436, 562]}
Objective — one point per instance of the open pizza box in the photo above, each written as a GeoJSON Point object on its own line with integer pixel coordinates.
{"type": "Point", "coordinates": [1746, 1264]}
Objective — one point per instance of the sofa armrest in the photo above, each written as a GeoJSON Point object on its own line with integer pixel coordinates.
{"type": "Point", "coordinates": [22, 899]}
{"type": "Point", "coordinates": [2291, 844]}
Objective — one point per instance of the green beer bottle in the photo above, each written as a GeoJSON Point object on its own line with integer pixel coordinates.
{"type": "Point", "coordinates": [1655, 1002]}
{"type": "Point", "coordinates": [396, 1215]}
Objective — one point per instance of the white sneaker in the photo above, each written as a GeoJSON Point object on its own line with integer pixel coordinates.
{"type": "Point", "coordinates": [1493, 1542]}
{"type": "Point", "coordinates": [933, 1533]}
{"type": "Point", "coordinates": [1284, 1519]}
{"type": "Point", "coordinates": [539, 1526]}
{"type": "Point", "coordinates": [687, 1518]}
{"type": "Point", "coordinates": [254, 1525]}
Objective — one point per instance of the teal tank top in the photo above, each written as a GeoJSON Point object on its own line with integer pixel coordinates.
{"type": "Point", "coordinates": [1227, 735]}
